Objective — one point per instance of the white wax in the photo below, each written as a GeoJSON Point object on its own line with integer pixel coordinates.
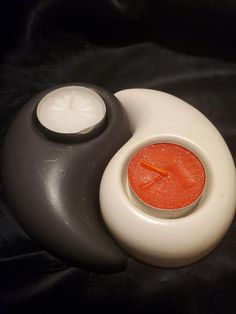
{"type": "Point", "coordinates": [71, 109]}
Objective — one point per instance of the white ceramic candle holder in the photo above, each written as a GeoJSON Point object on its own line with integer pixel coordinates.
{"type": "Point", "coordinates": [144, 233]}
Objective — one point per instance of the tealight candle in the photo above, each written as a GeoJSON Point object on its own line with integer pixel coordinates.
{"type": "Point", "coordinates": [71, 110]}
{"type": "Point", "coordinates": [167, 177]}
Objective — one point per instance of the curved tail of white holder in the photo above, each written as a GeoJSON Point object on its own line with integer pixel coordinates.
{"type": "Point", "coordinates": [159, 117]}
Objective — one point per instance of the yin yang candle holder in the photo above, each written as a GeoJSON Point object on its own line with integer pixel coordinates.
{"type": "Point", "coordinates": [95, 177]}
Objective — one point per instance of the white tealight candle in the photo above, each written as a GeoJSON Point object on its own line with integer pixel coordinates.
{"type": "Point", "coordinates": [71, 109]}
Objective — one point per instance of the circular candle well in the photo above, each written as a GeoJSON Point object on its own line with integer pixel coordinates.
{"type": "Point", "coordinates": [166, 176]}
{"type": "Point", "coordinates": [71, 109]}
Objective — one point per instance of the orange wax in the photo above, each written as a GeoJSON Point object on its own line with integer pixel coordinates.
{"type": "Point", "coordinates": [166, 176]}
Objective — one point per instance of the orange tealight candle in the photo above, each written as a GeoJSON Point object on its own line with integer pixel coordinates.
{"type": "Point", "coordinates": [166, 176]}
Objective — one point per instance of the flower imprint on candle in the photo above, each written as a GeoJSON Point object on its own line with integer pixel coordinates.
{"type": "Point", "coordinates": [71, 110]}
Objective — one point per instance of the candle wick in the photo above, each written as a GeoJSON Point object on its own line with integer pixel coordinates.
{"type": "Point", "coordinates": [150, 167]}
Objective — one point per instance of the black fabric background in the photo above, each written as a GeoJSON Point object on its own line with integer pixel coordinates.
{"type": "Point", "coordinates": [186, 48]}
